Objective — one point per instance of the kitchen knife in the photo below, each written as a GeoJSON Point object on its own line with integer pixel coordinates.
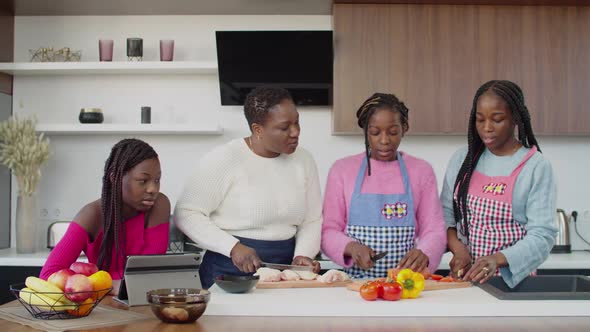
{"type": "Point", "coordinates": [287, 267]}
{"type": "Point", "coordinates": [379, 256]}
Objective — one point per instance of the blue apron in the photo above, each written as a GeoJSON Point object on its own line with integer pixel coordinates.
{"type": "Point", "coordinates": [383, 222]}
{"type": "Point", "coordinates": [215, 264]}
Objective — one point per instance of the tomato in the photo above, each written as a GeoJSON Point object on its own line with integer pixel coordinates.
{"type": "Point", "coordinates": [436, 277]}
{"type": "Point", "coordinates": [392, 291]}
{"type": "Point", "coordinates": [369, 291]}
{"type": "Point", "coordinates": [379, 285]}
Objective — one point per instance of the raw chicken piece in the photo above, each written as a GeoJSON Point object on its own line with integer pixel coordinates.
{"type": "Point", "coordinates": [268, 275]}
{"type": "Point", "coordinates": [289, 275]}
{"type": "Point", "coordinates": [306, 275]}
{"type": "Point", "coordinates": [333, 276]}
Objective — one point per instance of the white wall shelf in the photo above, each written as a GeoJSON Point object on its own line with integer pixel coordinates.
{"type": "Point", "coordinates": [108, 68]}
{"type": "Point", "coordinates": [138, 129]}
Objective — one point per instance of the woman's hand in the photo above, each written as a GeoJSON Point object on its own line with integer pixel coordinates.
{"type": "Point", "coordinates": [414, 259]}
{"type": "Point", "coordinates": [484, 268]}
{"type": "Point", "coordinates": [461, 261]}
{"type": "Point", "coordinates": [360, 254]}
{"type": "Point", "coordinates": [245, 258]}
{"type": "Point", "coordinates": [306, 261]}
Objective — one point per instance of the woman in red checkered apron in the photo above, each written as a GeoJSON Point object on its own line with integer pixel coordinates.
{"type": "Point", "coordinates": [499, 194]}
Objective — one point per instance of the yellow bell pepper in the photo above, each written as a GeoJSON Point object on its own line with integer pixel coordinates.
{"type": "Point", "coordinates": [412, 283]}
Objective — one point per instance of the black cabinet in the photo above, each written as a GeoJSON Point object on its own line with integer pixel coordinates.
{"type": "Point", "coordinates": [14, 275]}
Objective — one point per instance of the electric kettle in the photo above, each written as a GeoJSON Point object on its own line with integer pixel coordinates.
{"type": "Point", "coordinates": [562, 242]}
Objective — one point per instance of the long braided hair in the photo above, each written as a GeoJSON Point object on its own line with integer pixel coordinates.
{"type": "Point", "coordinates": [511, 93]}
{"type": "Point", "coordinates": [125, 155]}
{"type": "Point", "coordinates": [379, 101]}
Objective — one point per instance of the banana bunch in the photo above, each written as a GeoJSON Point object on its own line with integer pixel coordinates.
{"type": "Point", "coordinates": [45, 295]}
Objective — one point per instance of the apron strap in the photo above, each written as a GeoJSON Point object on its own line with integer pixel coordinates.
{"type": "Point", "coordinates": [524, 160]}
{"type": "Point", "coordinates": [405, 177]}
{"type": "Point", "coordinates": [361, 175]}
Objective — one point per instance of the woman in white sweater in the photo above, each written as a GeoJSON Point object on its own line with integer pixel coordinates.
{"type": "Point", "coordinates": [256, 198]}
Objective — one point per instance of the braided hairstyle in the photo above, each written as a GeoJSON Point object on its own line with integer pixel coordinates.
{"type": "Point", "coordinates": [260, 100]}
{"type": "Point", "coordinates": [368, 108]}
{"type": "Point", "coordinates": [511, 93]}
{"type": "Point", "coordinates": [125, 155]}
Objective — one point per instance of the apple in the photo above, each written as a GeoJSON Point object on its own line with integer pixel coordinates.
{"type": "Point", "coordinates": [60, 277]}
{"type": "Point", "coordinates": [86, 269]}
{"type": "Point", "coordinates": [78, 288]}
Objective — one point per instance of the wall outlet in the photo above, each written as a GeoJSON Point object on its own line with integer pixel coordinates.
{"type": "Point", "coordinates": [583, 225]}
{"type": "Point", "coordinates": [584, 217]}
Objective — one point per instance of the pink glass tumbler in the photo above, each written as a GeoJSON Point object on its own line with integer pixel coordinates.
{"type": "Point", "coordinates": [166, 49]}
{"type": "Point", "coordinates": [105, 49]}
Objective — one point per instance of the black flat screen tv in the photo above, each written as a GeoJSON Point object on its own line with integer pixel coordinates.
{"type": "Point", "coordinates": [299, 61]}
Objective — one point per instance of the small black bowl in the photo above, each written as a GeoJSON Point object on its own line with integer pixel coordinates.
{"type": "Point", "coordinates": [91, 115]}
{"type": "Point", "coordinates": [236, 284]}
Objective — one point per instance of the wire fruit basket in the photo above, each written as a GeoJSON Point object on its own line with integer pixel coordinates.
{"type": "Point", "coordinates": [50, 305]}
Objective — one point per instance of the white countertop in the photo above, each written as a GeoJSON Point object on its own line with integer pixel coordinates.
{"type": "Point", "coordinates": [575, 260]}
{"type": "Point", "coordinates": [463, 302]}
{"type": "Point", "coordinates": [9, 257]}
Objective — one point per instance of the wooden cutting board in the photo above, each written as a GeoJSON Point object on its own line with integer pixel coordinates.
{"type": "Point", "coordinates": [429, 285]}
{"type": "Point", "coordinates": [301, 284]}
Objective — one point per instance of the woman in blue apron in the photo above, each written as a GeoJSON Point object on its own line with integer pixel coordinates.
{"type": "Point", "coordinates": [383, 200]}
{"type": "Point", "coordinates": [255, 199]}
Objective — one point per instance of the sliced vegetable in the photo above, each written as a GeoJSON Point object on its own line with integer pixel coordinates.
{"type": "Point", "coordinates": [447, 279]}
{"type": "Point", "coordinates": [436, 277]}
{"type": "Point", "coordinates": [392, 273]}
{"type": "Point", "coordinates": [426, 273]}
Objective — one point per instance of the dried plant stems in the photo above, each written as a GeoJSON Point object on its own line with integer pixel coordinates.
{"type": "Point", "coordinates": [23, 151]}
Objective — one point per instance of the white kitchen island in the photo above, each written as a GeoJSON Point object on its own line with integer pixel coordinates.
{"type": "Point", "coordinates": [340, 302]}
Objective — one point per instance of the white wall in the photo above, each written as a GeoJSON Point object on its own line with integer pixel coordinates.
{"type": "Point", "coordinates": [73, 175]}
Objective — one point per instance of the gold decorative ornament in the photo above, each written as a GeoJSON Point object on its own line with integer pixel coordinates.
{"type": "Point", "coordinates": [47, 54]}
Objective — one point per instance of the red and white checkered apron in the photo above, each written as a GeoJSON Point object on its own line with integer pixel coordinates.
{"type": "Point", "coordinates": [492, 227]}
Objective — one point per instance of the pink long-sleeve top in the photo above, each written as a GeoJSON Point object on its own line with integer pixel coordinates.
{"type": "Point", "coordinates": [138, 241]}
{"type": "Point", "coordinates": [385, 178]}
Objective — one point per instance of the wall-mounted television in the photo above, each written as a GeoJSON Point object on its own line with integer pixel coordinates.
{"type": "Point", "coordinates": [299, 61]}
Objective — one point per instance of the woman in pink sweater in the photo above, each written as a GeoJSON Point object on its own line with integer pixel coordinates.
{"type": "Point", "coordinates": [130, 218]}
{"type": "Point", "coordinates": [383, 200]}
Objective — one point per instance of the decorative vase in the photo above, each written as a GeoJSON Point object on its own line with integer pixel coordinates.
{"type": "Point", "coordinates": [134, 49]}
{"type": "Point", "coordinates": [105, 49]}
{"type": "Point", "coordinates": [91, 115]}
{"type": "Point", "coordinates": [166, 50]}
{"type": "Point", "coordinates": [26, 224]}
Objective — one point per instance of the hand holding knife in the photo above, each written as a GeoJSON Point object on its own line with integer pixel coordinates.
{"type": "Point", "coordinates": [378, 256]}
{"type": "Point", "coordinates": [287, 267]}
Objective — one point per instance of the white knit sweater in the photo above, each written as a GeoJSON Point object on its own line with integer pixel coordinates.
{"type": "Point", "coordinates": [233, 191]}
